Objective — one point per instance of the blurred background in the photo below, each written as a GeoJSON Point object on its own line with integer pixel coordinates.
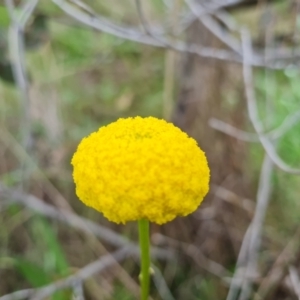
{"type": "Point", "coordinates": [224, 71]}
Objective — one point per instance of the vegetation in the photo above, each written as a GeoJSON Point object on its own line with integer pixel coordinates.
{"type": "Point", "coordinates": [80, 79]}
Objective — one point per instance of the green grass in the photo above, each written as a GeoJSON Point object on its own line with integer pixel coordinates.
{"type": "Point", "coordinates": [46, 262]}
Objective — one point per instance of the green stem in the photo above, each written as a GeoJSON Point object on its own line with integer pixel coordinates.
{"type": "Point", "coordinates": [145, 257]}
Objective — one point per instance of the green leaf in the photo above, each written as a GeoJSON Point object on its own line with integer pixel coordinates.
{"type": "Point", "coordinates": [37, 276]}
{"type": "Point", "coordinates": [6, 73]}
{"type": "Point", "coordinates": [33, 273]}
{"type": "Point", "coordinates": [4, 17]}
{"type": "Point", "coordinates": [55, 258]}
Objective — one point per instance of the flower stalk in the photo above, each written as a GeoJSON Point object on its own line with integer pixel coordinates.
{"type": "Point", "coordinates": [145, 257]}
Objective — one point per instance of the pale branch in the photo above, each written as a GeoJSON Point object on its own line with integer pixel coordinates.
{"type": "Point", "coordinates": [253, 110]}
{"type": "Point", "coordinates": [17, 57]}
{"type": "Point", "coordinates": [86, 272]}
{"type": "Point", "coordinates": [195, 253]}
{"type": "Point", "coordinates": [77, 290]}
{"type": "Point", "coordinates": [26, 12]}
{"type": "Point", "coordinates": [247, 260]}
{"type": "Point", "coordinates": [160, 284]}
{"type": "Point", "coordinates": [76, 221]}
{"type": "Point", "coordinates": [288, 123]}
{"type": "Point", "coordinates": [132, 34]}
{"type": "Point", "coordinates": [295, 280]}
{"type": "Point", "coordinates": [246, 269]}
{"type": "Point", "coordinates": [212, 6]}
{"type": "Point", "coordinates": [223, 35]}
{"type": "Point", "coordinates": [232, 198]}
{"type": "Point", "coordinates": [83, 274]}
{"type": "Point", "coordinates": [239, 273]}
{"type": "Point", "coordinates": [82, 13]}
{"type": "Point", "coordinates": [18, 295]}
{"type": "Point", "coordinates": [90, 18]}
{"type": "Point", "coordinates": [227, 20]}
{"type": "Point", "coordinates": [233, 131]}
{"type": "Point", "coordinates": [279, 269]}
{"type": "Point", "coordinates": [263, 198]}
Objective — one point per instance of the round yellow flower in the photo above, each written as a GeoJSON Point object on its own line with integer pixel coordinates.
{"type": "Point", "coordinates": [139, 168]}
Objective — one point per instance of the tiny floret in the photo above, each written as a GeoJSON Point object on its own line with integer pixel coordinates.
{"type": "Point", "coordinates": [139, 168]}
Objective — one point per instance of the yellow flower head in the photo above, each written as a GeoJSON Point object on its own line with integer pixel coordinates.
{"type": "Point", "coordinates": [139, 168]}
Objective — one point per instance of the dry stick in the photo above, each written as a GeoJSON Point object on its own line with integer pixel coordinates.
{"type": "Point", "coordinates": [103, 263]}
{"type": "Point", "coordinates": [170, 55]}
{"type": "Point", "coordinates": [263, 197]}
{"type": "Point", "coordinates": [201, 12]}
{"type": "Point", "coordinates": [286, 125]}
{"type": "Point", "coordinates": [295, 280]}
{"type": "Point", "coordinates": [161, 284]}
{"type": "Point", "coordinates": [267, 145]}
{"type": "Point", "coordinates": [245, 136]}
{"type": "Point", "coordinates": [78, 293]}
{"type": "Point", "coordinates": [237, 278]}
{"type": "Point", "coordinates": [77, 222]}
{"type": "Point", "coordinates": [63, 206]}
{"type": "Point", "coordinates": [264, 189]}
{"type": "Point", "coordinates": [195, 253]}
{"type": "Point", "coordinates": [214, 27]}
{"type": "Point", "coordinates": [58, 199]}
{"type": "Point", "coordinates": [118, 270]}
{"type": "Point", "coordinates": [227, 20]}
{"type": "Point", "coordinates": [269, 76]}
{"type": "Point", "coordinates": [124, 277]}
{"type": "Point", "coordinates": [264, 186]}
{"type": "Point", "coordinates": [279, 268]}
{"type": "Point", "coordinates": [209, 8]}
{"type": "Point", "coordinates": [251, 240]}
{"type": "Point", "coordinates": [253, 236]}
{"type": "Point", "coordinates": [168, 91]}
{"type": "Point", "coordinates": [22, 294]}
{"type": "Point", "coordinates": [233, 131]}
{"type": "Point", "coordinates": [17, 56]}
{"type": "Point", "coordinates": [87, 16]}
{"type": "Point", "coordinates": [213, 6]}
{"type": "Point", "coordinates": [252, 107]}
{"type": "Point", "coordinates": [170, 62]}
{"type": "Point", "coordinates": [234, 199]}
{"type": "Point", "coordinates": [89, 270]}
{"type": "Point", "coordinates": [102, 24]}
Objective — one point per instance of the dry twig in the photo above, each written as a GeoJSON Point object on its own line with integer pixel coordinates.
{"type": "Point", "coordinates": [89, 270]}
{"type": "Point", "coordinates": [263, 197]}
{"type": "Point", "coordinates": [224, 36]}
{"type": "Point", "coordinates": [287, 124]}
{"type": "Point", "coordinates": [252, 107]}
{"type": "Point", "coordinates": [279, 269]}
{"type": "Point", "coordinates": [234, 199]}
{"type": "Point", "coordinates": [295, 280]}
{"type": "Point", "coordinates": [246, 270]}
{"type": "Point", "coordinates": [161, 284]}
{"type": "Point", "coordinates": [17, 56]}
{"type": "Point", "coordinates": [75, 221]}
{"type": "Point", "coordinates": [195, 253]}
{"type": "Point", "coordinates": [84, 14]}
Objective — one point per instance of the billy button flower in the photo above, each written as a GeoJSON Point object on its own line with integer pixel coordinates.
{"type": "Point", "coordinates": [141, 169]}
